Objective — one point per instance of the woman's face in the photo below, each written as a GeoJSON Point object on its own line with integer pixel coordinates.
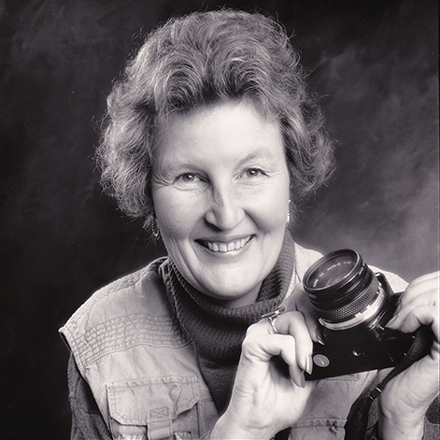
{"type": "Point", "coordinates": [221, 197]}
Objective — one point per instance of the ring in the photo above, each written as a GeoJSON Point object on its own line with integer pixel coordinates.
{"type": "Point", "coordinates": [272, 317]}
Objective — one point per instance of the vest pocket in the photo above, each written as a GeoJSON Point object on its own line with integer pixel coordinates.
{"type": "Point", "coordinates": [154, 408]}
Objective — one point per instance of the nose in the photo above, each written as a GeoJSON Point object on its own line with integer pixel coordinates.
{"type": "Point", "coordinates": [225, 211]}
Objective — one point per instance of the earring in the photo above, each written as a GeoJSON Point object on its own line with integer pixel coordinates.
{"type": "Point", "coordinates": [155, 229]}
{"type": "Point", "coordinates": [288, 215]}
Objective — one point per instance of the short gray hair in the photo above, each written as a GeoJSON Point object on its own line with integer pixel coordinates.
{"type": "Point", "coordinates": [200, 59]}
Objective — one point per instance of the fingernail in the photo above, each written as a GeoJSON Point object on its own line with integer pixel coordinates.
{"type": "Point", "coordinates": [319, 338]}
{"type": "Point", "coordinates": [392, 321]}
{"type": "Point", "coordinates": [309, 364]}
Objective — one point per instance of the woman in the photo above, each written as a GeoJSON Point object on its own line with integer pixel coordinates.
{"type": "Point", "coordinates": [213, 140]}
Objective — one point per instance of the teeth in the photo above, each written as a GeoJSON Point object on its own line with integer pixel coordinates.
{"type": "Point", "coordinates": [227, 247]}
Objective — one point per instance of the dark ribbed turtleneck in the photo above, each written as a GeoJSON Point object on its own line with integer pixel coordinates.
{"type": "Point", "coordinates": [217, 331]}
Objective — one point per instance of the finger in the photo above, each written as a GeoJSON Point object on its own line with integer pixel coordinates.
{"type": "Point", "coordinates": [299, 300]}
{"type": "Point", "coordinates": [423, 291]}
{"type": "Point", "coordinates": [428, 278]}
{"type": "Point", "coordinates": [294, 324]}
{"type": "Point", "coordinates": [288, 351]}
{"type": "Point", "coordinates": [411, 321]}
{"type": "Point", "coordinates": [428, 296]}
{"type": "Point", "coordinates": [406, 307]}
{"type": "Point", "coordinates": [427, 284]}
{"type": "Point", "coordinates": [262, 347]}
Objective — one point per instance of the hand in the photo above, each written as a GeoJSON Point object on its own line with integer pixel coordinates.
{"type": "Point", "coordinates": [268, 397]}
{"type": "Point", "coordinates": [406, 398]}
{"type": "Point", "coordinates": [299, 300]}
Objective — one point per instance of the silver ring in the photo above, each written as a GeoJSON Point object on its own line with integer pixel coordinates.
{"type": "Point", "coordinates": [272, 317]}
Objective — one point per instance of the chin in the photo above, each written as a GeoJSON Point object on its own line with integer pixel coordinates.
{"type": "Point", "coordinates": [232, 296]}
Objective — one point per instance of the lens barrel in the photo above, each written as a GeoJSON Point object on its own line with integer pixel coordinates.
{"type": "Point", "coordinates": [340, 286]}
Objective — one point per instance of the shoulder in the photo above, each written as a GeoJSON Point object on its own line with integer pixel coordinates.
{"type": "Point", "coordinates": [133, 310]}
{"type": "Point", "coordinates": [135, 286]}
{"type": "Point", "coordinates": [397, 283]}
{"type": "Point", "coordinates": [304, 258]}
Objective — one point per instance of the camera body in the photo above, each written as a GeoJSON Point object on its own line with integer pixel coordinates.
{"type": "Point", "coordinates": [353, 304]}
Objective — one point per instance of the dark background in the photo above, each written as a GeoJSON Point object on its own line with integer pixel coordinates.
{"type": "Point", "coordinates": [374, 64]}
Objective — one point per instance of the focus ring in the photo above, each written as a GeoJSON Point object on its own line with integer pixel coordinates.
{"type": "Point", "coordinates": [351, 309]}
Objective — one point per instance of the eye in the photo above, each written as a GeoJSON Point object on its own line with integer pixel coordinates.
{"type": "Point", "coordinates": [254, 172]}
{"type": "Point", "coordinates": [190, 181]}
{"type": "Point", "coordinates": [188, 178]}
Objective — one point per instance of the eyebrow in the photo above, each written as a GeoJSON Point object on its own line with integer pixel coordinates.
{"type": "Point", "coordinates": [263, 153]}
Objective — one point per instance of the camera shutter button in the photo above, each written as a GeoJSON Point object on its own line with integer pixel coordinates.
{"type": "Point", "coordinates": [321, 360]}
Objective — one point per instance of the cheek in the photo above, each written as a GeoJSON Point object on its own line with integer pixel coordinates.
{"type": "Point", "coordinates": [271, 206]}
{"type": "Point", "coordinates": [274, 220]}
{"type": "Point", "coordinates": [176, 215]}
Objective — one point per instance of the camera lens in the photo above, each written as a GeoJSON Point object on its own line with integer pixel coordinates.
{"type": "Point", "coordinates": [341, 287]}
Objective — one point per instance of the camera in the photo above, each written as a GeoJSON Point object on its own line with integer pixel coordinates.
{"type": "Point", "coordinates": [354, 305]}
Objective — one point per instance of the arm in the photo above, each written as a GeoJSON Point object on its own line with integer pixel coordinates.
{"type": "Point", "coordinates": [87, 422]}
{"type": "Point", "coordinates": [431, 429]}
{"type": "Point", "coordinates": [406, 399]}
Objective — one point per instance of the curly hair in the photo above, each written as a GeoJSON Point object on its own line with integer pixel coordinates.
{"type": "Point", "coordinates": [200, 59]}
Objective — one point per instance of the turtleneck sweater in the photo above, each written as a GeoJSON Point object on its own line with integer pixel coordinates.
{"type": "Point", "coordinates": [218, 331]}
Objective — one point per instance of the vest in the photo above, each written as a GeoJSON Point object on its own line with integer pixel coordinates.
{"type": "Point", "coordinates": [142, 368]}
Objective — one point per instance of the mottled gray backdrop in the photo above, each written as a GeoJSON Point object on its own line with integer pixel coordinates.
{"type": "Point", "coordinates": [374, 66]}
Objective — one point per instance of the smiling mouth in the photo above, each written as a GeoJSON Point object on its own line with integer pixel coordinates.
{"type": "Point", "coordinates": [218, 246]}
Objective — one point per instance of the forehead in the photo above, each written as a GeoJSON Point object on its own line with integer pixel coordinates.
{"type": "Point", "coordinates": [232, 128]}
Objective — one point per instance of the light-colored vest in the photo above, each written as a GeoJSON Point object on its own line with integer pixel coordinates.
{"type": "Point", "coordinates": [143, 372]}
